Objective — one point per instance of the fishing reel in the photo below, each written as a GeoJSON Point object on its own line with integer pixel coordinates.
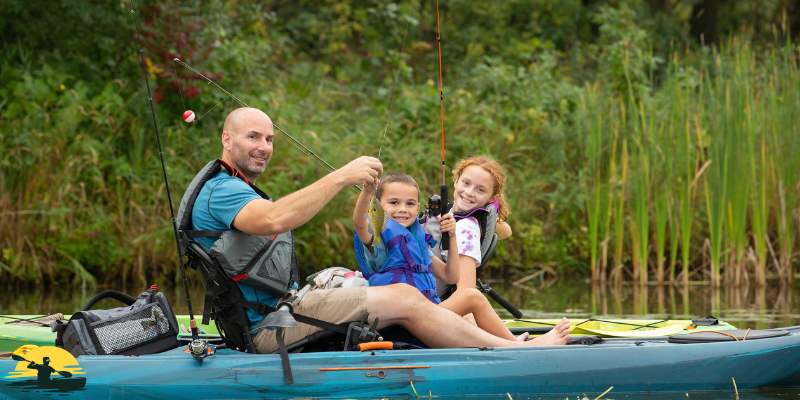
{"type": "Point", "coordinates": [434, 206]}
{"type": "Point", "coordinates": [200, 349]}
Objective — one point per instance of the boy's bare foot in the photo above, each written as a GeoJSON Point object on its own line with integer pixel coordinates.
{"type": "Point", "coordinates": [556, 337]}
{"type": "Point", "coordinates": [524, 337]}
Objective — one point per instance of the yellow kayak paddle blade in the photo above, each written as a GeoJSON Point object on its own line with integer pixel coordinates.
{"type": "Point", "coordinates": [377, 220]}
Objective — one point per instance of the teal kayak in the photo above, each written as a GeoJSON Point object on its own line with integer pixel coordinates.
{"type": "Point", "coordinates": [708, 361]}
{"type": "Point", "coordinates": [19, 330]}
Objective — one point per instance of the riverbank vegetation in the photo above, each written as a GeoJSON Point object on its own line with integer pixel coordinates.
{"type": "Point", "coordinates": [642, 141]}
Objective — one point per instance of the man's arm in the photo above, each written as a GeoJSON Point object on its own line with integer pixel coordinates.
{"type": "Point", "coordinates": [264, 218]}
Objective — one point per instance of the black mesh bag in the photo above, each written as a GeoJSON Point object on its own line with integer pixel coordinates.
{"type": "Point", "coordinates": [146, 326]}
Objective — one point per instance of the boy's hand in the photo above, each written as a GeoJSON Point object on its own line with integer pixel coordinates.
{"type": "Point", "coordinates": [447, 224]}
{"type": "Point", "coordinates": [369, 187]}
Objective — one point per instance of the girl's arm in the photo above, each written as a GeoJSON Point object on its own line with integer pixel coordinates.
{"type": "Point", "coordinates": [450, 272]}
{"type": "Point", "coordinates": [467, 267]}
{"type": "Point", "coordinates": [359, 222]}
{"type": "Point", "coordinates": [503, 230]}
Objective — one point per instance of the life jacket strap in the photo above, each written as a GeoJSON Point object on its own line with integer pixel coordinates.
{"type": "Point", "coordinates": [198, 234]}
{"type": "Point", "coordinates": [402, 241]}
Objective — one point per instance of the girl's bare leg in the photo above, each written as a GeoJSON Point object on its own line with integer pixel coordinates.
{"type": "Point", "coordinates": [465, 301]}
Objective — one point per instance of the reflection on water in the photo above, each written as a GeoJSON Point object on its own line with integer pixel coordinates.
{"type": "Point", "coordinates": [744, 307]}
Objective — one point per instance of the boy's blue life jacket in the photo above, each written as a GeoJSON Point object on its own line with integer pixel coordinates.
{"type": "Point", "coordinates": [407, 261]}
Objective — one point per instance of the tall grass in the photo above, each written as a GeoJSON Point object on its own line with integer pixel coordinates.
{"type": "Point", "coordinates": [712, 166]}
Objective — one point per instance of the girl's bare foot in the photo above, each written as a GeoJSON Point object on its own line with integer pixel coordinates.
{"type": "Point", "coordinates": [523, 337]}
{"type": "Point", "coordinates": [556, 337]}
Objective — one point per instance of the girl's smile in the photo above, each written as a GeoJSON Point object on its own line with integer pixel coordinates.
{"type": "Point", "coordinates": [474, 188]}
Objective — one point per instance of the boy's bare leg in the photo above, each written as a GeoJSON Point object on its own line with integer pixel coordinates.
{"type": "Point", "coordinates": [404, 305]}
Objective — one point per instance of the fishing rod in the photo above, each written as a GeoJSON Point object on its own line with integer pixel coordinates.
{"type": "Point", "coordinates": [443, 191]}
{"type": "Point", "coordinates": [198, 348]}
{"type": "Point", "coordinates": [294, 141]}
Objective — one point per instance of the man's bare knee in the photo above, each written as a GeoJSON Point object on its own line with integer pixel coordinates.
{"type": "Point", "coordinates": [394, 303]}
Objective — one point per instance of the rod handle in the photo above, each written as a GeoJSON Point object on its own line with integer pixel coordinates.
{"type": "Point", "coordinates": [445, 235]}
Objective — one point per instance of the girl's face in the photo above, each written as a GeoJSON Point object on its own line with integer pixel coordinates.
{"type": "Point", "coordinates": [474, 188]}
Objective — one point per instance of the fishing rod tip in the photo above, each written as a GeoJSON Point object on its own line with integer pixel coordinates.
{"type": "Point", "coordinates": [175, 59]}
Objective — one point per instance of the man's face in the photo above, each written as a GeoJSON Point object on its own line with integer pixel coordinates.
{"type": "Point", "coordinates": [401, 202]}
{"type": "Point", "coordinates": [251, 144]}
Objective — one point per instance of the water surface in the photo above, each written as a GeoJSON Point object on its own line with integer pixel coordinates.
{"type": "Point", "coordinates": [745, 307]}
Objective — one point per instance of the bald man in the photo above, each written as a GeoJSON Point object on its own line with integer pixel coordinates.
{"type": "Point", "coordinates": [227, 202]}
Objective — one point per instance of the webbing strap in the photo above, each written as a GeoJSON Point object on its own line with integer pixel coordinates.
{"type": "Point", "coordinates": [287, 368]}
{"type": "Point", "coordinates": [212, 274]}
{"type": "Point", "coordinates": [265, 309]}
{"type": "Point", "coordinates": [319, 323]}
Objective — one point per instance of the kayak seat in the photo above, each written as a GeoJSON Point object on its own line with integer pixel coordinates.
{"type": "Point", "coordinates": [221, 297]}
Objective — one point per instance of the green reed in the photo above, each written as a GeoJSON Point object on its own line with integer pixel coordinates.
{"type": "Point", "coordinates": [711, 172]}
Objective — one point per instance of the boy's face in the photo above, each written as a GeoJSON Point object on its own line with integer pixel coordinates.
{"type": "Point", "coordinates": [401, 203]}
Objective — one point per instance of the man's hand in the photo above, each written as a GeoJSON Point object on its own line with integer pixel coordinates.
{"type": "Point", "coordinates": [361, 171]}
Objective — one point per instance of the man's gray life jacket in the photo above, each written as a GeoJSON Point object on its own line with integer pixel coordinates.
{"type": "Point", "coordinates": [265, 263]}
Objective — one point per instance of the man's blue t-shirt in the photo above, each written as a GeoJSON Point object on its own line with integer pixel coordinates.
{"type": "Point", "coordinates": [217, 205]}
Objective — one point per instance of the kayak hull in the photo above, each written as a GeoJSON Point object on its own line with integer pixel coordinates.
{"type": "Point", "coordinates": [629, 365]}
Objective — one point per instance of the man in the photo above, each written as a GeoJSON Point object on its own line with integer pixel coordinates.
{"type": "Point", "coordinates": [227, 202]}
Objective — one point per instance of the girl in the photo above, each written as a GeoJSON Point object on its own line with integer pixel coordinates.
{"type": "Point", "coordinates": [478, 181]}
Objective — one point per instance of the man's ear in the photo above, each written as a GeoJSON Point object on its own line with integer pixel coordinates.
{"type": "Point", "coordinates": [226, 140]}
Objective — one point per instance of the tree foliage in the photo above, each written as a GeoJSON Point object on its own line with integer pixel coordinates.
{"type": "Point", "coordinates": [81, 195]}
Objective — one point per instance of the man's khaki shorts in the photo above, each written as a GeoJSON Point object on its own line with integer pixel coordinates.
{"type": "Point", "coordinates": [336, 306]}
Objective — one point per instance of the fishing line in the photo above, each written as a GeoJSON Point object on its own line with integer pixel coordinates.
{"type": "Point", "coordinates": [294, 141]}
{"type": "Point", "coordinates": [178, 81]}
{"type": "Point", "coordinates": [223, 100]}
{"type": "Point", "coordinates": [394, 87]}
{"type": "Point", "coordinates": [192, 323]}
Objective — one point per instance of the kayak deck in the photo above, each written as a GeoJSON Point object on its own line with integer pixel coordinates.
{"type": "Point", "coordinates": [629, 365]}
